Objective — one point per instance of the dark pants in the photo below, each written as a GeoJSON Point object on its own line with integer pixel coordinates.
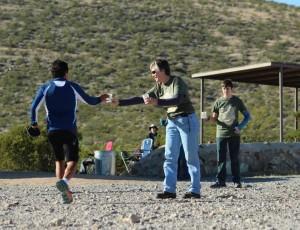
{"type": "Point", "coordinates": [182, 171]}
{"type": "Point", "coordinates": [64, 144]}
{"type": "Point", "coordinates": [233, 144]}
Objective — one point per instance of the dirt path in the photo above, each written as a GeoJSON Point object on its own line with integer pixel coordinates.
{"type": "Point", "coordinates": [41, 179]}
{"type": "Point", "coordinates": [29, 200]}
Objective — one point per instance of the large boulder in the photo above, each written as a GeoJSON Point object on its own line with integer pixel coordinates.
{"type": "Point", "coordinates": [256, 159]}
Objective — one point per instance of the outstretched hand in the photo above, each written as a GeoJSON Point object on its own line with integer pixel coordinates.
{"type": "Point", "coordinates": [104, 97]}
{"type": "Point", "coordinates": [113, 101]}
{"type": "Point", "coordinates": [150, 101]}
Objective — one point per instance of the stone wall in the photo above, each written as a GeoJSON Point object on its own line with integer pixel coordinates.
{"type": "Point", "coordinates": [256, 159]}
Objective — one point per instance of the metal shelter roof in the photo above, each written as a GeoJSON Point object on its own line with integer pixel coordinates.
{"type": "Point", "coordinates": [270, 73]}
{"type": "Point", "coordinates": [264, 73]}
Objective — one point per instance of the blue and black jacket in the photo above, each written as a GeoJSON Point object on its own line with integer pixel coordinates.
{"type": "Point", "coordinates": [60, 98]}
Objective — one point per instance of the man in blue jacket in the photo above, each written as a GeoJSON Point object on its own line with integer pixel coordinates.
{"type": "Point", "coordinates": [60, 98]}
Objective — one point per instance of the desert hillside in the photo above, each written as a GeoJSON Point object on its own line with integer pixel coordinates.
{"type": "Point", "coordinates": [110, 44]}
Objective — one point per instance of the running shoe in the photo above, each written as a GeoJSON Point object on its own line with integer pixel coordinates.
{"type": "Point", "coordinates": [66, 193]}
{"type": "Point", "coordinates": [65, 199]}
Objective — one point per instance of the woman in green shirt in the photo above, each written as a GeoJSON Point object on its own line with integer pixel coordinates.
{"type": "Point", "coordinates": [171, 93]}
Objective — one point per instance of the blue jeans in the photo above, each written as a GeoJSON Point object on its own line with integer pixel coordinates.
{"type": "Point", "coordinates": [233, 144]}
{"type": "Point", "coordinates": [182, 131]}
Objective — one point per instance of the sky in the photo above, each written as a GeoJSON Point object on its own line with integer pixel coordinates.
{"type": "Point", "coordinates": [289, 2]}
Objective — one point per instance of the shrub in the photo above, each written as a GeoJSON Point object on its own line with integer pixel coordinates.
{"type": "Point", "coordinates": [20, 152]}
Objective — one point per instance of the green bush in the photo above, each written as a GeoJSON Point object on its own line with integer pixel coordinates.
{"type": "Point", "coordinates": [20, 152]}
{"type": "Point", "coordinates": [293, 135]}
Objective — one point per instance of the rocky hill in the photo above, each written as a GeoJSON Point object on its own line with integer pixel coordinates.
{"type": "Point", "coordinates": [110, 44]}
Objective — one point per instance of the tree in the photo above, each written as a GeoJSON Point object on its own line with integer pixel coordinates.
{"type": "Point", "coordinates": [261, 128]}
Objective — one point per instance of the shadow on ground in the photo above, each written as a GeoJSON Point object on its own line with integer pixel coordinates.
{"type": "Point", "coordinates": [29, 174]}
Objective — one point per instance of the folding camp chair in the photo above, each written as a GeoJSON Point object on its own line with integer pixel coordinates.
{"type": "Point", "coordinates": [146, 148]}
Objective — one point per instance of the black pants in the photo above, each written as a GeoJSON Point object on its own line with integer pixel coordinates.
{"type": "Point", "coordinates": [233, 144]}
{"type": "Point", "coordinates": [64, 144]}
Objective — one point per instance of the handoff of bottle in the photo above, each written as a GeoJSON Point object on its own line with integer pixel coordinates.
{"type": "Point", "coordinates": [105, 163]}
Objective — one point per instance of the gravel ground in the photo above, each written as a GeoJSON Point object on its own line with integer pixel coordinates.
{"type": "Point", "coordinates": [31, 201]}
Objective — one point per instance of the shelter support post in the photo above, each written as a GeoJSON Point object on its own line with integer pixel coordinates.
{"type": "Point", "coordinates": [280, 104]}
{"type": "Point", "coordinates": [201, 109]}
{"type": "Point", "coordinates": [296, 108]}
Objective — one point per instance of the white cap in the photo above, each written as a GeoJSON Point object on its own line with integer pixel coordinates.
{"type": "Point", "coordinates": [153, 126]}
